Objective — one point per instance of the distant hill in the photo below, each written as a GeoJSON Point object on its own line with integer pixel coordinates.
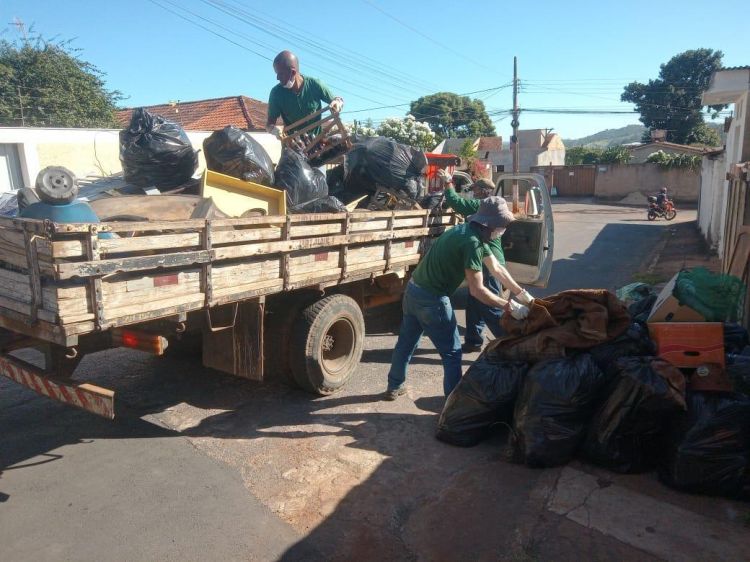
{"type": "Point", "coordinates": [609, 137]}
{"type": "Point", "coordinates": [624, 135]}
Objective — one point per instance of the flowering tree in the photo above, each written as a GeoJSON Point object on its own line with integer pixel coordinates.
{"type": "Point", "coordinates": [408, 131]}
{"type": "Point", "coordinates": [362, 129]}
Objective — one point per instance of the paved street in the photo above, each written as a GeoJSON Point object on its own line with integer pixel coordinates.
{"type": "Point", "coordinates": [204, 466]}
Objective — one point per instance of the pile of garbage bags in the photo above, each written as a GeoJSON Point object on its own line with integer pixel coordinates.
{"type": "Point", "coordinates": [580, 378]}
{"type": "Point", "coordinates": [156, 152]}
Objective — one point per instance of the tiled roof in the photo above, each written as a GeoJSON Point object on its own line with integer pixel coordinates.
{"type": "Point", "coordinates": [735, 68]}
{"type": "Point", "coordinates": [210, 115]}
{"type": "Point", "coordinates": [672, 145]}
{"type": "Point", "coordinates": [490, 144]}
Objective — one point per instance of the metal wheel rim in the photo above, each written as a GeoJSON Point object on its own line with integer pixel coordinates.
{"type": "Point", "coordinates": [336, 347]}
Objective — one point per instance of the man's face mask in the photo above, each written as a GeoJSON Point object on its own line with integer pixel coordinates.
{"type": "Point", "coordinates": [289, 84]}
{"type": "Point", "coordinates": [497, 233]}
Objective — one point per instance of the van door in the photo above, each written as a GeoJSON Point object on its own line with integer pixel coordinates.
{"type": "Point", "coordinates": [529, 240]}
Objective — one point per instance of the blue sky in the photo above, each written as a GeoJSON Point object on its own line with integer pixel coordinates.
{"type": "Point", "coordinates": [377, 53]}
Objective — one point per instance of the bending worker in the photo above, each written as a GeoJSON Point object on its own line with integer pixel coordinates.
{"type": "Point", "coordinates": [477, 313]}
{"type": "Point", "coordinates": [457, 254]}
{"type": "Point", "coordinates": [296, 96]}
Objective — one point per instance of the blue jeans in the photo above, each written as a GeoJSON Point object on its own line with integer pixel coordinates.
{"type": "Point", "coordinates": [425, 312]}
{"type": "Point", "coordinates": [477, 313]}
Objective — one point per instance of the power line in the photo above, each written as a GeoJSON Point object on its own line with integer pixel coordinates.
{"type": "Point", "coordinates": [283, 33]}
{"type": "Point", "coordinates": [232, 41]}
{"type": "Point", "coordinates": [430, 39]}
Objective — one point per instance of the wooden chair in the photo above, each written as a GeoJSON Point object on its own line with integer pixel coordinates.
{"type": "Point", "coordinates": [332, 141]}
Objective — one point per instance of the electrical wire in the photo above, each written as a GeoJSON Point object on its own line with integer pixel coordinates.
{"type": "Point", "coordinates": [427, 37]}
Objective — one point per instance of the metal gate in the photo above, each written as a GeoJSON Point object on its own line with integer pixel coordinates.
{"type": "Point", "coordinates": [574, 181]}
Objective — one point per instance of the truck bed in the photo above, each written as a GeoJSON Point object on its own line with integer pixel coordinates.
{"type": "Point", "coordinates": [60, 281]}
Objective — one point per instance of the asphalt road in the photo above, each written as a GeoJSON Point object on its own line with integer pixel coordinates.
{"type": "Point", "coordinates": [203, 466]}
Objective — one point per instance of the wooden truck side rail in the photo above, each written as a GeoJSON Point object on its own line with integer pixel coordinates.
{"type": "Point", "coordinates": [61, 281]}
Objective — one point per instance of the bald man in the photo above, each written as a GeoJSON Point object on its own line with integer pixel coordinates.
{"type": "Point", "coordinates": [296, 96]}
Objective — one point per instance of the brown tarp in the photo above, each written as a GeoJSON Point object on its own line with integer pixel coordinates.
{"type": "Point", "coordinates": [577, 319]}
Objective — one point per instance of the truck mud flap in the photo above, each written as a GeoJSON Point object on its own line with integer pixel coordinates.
{"type": "Point", "coordinates": [89, 397]}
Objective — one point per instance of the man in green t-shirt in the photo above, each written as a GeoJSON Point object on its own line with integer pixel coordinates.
{"type": "Point", "coordinates": [296, 96]}
{"type": "Point", "coordinates": [477, 313]}
{"type": "Point", "coordinates": [458, 254]}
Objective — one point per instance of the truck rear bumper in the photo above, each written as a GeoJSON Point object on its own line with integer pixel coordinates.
{"type": "Point", "coordinates": [89, 397]}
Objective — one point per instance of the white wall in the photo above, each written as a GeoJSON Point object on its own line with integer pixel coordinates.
{"type": "Point", "coordinates": [712, 201]}
{"type": "Point", "coordinates": [90, 151]}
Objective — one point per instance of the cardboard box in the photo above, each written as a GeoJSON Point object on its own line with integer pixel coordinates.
{"type": "Point", "coordinates": [689, 344]}
{"type": "Point", "coordinates": [668, 309]}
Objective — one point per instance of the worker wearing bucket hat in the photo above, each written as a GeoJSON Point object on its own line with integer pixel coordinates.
{"type": "Point", "coordinates": [457, 254]}
{"type": "Point", "coordinates": [479, 314]}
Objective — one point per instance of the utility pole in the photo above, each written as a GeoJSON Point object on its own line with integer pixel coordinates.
{"type": "Point", "coordinates": [514, 138]}
{"type": "Point", "coordinates": [20, 102]}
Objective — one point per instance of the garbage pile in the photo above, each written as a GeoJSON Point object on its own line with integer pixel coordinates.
{"type": "Point", "coordinates": [157, 157]}
{"type": "Point", "coordinates": [634, 384]}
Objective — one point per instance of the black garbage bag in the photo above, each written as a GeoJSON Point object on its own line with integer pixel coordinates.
{"type": "Point", "coordinates": [236, 153]}
{"type": "Point", "coordinates": [301, 182]}
{"type": "Point", "coordinates": [735, 338]}
{"type": "Point", "coordinates": [156, 152]}
{"type": "Point", "coordinates": [328, 204]}
{"type": "Point", "coordinates": [640, 309]}
{"type": "Point", "coordinates": [431, 201]}
{"type": "Point", "coordinates": [738, 371]}
{"type": "Point", "coordinates": [557, 399]}
{"type": "Point", "coordinates": [708, 447]}
{"type": "Point", "coordinates": [626, 432]}
{"type": "Point", "coordinates": [484, 396]}
{"type": "Point", "coordinates": [380, 161]}
{"type": "Point", "coordinates": [633, 343]}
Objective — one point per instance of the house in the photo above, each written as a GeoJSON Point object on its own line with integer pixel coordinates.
{"type": "Point", "coordinates": [243, 112]}
{"type": "Point", "coordinates": [26, 150]}
{"type": "Point", "coordinates": [537, 147]}
{"type": "Point", "coordinates": [639, 154]}
{"type": "Point", "coordinates": [722, 190]}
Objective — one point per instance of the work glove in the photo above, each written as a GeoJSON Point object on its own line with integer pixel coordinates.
{"type": "Point", "coordinates": [337, 104]}
{"type": "Point", "coordinates": [276, 131]}
{"type": "Point", "coordinates": [517, 311]}
{"type": "Point", "coordinates": [524, 297]}
{"type": "Point", "coordinates": [445, 176]}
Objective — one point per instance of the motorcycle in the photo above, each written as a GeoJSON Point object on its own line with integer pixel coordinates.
{"type": "Point", "coordinates": [654, 210]}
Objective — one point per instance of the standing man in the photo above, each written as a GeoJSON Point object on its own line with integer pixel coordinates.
{"type": "Point", "coordinates": [477, 313]}
{"type": "Point", "coordinates": [296, 96]}
{"type": "Point", "coordinates": [457, 254]}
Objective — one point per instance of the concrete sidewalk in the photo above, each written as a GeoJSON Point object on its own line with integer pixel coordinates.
{"type": "Point", "coordinates": [681, 247]}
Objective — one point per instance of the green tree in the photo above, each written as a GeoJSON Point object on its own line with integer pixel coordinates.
{"type": "Point", "coordinates": [704, 135]}
{"type": "Point", "coordinates": [582, 155]}
{"type": "Point", "coordinates": [451, 115]}
{"type": "Point", "coordinates": [47, 84]}
{"type": "Point", "coordinates": [615, 155]}
{"type": "Point", "coordinates": [467, 149]}
{"type": "Point", "coordinates": [673, 101]}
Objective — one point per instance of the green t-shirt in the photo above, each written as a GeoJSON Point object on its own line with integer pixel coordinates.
{"type": "Point", "coordinates": [293, 107]}
{"type": "Point", "coordinates": [441, 271]}
{"type": "Point", "coordinates": [468, 207]}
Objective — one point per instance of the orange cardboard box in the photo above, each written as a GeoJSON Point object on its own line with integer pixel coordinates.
{"type": "Point", "coordinates": [668, 309]}
{"type": "Point", "coordinates": [689, 344]}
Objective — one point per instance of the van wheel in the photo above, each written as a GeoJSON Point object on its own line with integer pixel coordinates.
{"type": "Point", "coordinates": [326, 344]}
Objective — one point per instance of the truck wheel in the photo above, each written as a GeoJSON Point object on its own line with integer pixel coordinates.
{"type": "Point", "coordinates": [327, 344]}
{"type": "Point", "coordinates": [278, 333]}
{"type": "Point", "coordinates": [56, 185]}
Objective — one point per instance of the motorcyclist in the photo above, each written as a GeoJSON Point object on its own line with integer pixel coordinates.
{"type": "Point", "coordinates": [661, 199]}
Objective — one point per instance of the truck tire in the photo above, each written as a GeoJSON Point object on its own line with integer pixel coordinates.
{"type": "Point", "coordinates": [278, 333]}
{"type": "Point", "coordinates": [56, 185]}
{"type": "Point", "coordinates": [326, 344]}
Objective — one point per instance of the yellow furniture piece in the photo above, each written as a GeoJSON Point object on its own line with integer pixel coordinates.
{"type": "Point", "coordinates": [236, 197]}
